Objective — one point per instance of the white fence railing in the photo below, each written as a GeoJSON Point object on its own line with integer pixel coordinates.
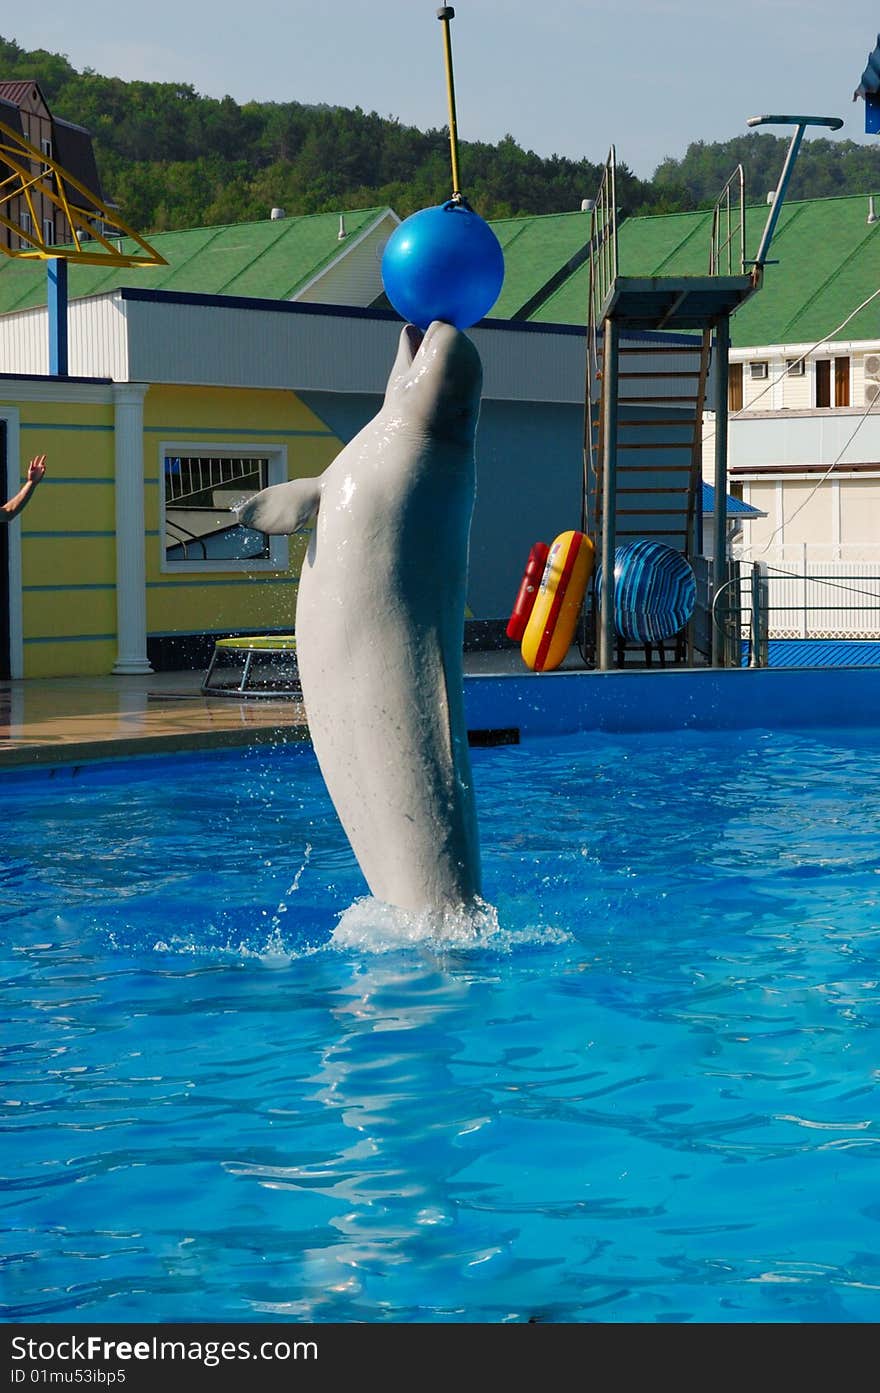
{"type": "Point", "coordinates": [811, 594]}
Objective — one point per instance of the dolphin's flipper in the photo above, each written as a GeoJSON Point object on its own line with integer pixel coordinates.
{"type": "Point", "coordinates": [282, 509]}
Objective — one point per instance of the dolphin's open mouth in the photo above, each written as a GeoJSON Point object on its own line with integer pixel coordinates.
{"type": "Point", "coordinates": [414, 337]}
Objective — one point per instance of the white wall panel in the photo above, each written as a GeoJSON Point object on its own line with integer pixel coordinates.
{"type": "Point", "coordinates": [98, 340]}
{"type": "Point", "coordinates": [222, 346]}
{"type": "Point", "coordinates": [24, 342]}
{"type": "Point", "coordinates": [97, 343]}
{"type": "Point", "coordinates": [816, 437]}
{"type": "Point", "coordinates": [356, 278]}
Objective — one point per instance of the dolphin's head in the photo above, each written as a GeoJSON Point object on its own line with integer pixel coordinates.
{"type": "Point", "coordinates": [436, 382]}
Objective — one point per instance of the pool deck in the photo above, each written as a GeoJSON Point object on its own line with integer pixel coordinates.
{"type": "Point", "coordinates": [52, 722]}
{"type": "Point", "coordinates": [66, 720]}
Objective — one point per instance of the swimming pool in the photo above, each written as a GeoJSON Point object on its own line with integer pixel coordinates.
{"type": "Point", "coordinates": [644, 1087]}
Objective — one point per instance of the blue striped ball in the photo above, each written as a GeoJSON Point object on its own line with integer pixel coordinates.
{"type": "Point", "coordinates": [655, 591]}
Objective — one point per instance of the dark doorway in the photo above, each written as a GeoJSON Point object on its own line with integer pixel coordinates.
{"type": "Point", "coordinates": [4, 566]}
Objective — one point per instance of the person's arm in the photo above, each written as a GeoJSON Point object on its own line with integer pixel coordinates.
{"type": "Point", "coordinates": [13, 506]}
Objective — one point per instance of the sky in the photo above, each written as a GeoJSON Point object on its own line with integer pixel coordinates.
{"type": "Point", "coordinates": [564, 77]}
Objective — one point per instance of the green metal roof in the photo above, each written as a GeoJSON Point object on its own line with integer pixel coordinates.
{"type": "Point", "coordinates": [536, 250]}
{"type": "Point", "coordinates": [268, 260]}
{"type": "Point", "coordinates": [828, 258]}
{"type": "Point", "coordinates": [828, 262]}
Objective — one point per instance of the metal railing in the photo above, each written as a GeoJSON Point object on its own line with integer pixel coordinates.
{"type": "Point", "coordinates": [603, 241]}
{"type": "Point", "coordinates": [729, 228]}
{"type": "Point", "coordinates": [758, 602]}
{"type": "Point", "coordinates": [182, 537]}
{"type": "Point", "coordinates": [602, 268]}
{"type": "Point", "coordinates": [813, 594]}
{"type": "Point", "coordinates": [602, 275]}
{"type": "Point", "coordinates": [188, 476]}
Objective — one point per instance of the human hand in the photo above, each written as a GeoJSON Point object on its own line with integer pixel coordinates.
{"type": "Point", "coordinates": [36, 469]}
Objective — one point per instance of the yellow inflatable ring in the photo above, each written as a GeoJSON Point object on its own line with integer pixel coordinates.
{"type": "Point", "coordinates": [550, 631]}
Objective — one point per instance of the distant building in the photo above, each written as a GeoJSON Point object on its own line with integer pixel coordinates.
{"type": "Point", "coordinates": [25, 110]}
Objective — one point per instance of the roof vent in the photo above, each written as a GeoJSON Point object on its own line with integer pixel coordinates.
{"type": "Point", "coordinates": [872, 215]}
{"type": "Point", "coordinates": [277, 213]}
{"type": "Point", "coordinates": [771, 197]}
{"type": "Point", "coordinates": [341, 234]}
{"type": "Point", "coordinates": [587, 205]}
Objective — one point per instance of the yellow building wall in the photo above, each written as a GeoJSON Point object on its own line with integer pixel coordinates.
{"type": "Point", "coordinates": [68, 531]}
{"type": "Point", "coordinates": [212, 602]}
{"type": "Point", "coordinates": [68, 554]}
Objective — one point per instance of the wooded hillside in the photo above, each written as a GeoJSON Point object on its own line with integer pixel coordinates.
{"type": "Point", "coordinates": [171, 158]}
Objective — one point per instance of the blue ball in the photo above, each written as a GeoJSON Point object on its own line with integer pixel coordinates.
{"type": "Point", "coordinates": [655, 591]}
{"type": "Point", "coordinates": [443, 263]}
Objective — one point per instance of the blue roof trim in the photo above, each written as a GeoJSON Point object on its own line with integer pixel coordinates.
{"type": "Point", "coordinates": [735, 506]}
{"type": "Point", "coordinates": [250, 302]}
{"type": "Point", "coordinates": [824, 653]}
{"type": "Point", "coordinates": [48, 377]}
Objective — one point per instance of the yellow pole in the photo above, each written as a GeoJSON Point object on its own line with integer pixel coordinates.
{"type": "Point", "coordinates": [445, 14]}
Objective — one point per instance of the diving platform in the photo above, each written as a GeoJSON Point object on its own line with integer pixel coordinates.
{"type": "Point", "coordinates": [643, 424]}
{"type": "Point", "coordinates": [674, 302]}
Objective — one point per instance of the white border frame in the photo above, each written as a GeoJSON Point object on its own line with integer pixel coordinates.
{"type": "Point", "coordinates": [279, 547]}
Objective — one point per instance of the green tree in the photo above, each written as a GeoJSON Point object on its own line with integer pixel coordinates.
{"type": "Point", "coordinates": [171, 157]}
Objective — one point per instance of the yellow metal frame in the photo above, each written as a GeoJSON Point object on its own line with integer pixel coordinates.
{"type": "Point", "coordinates": [17, 154]}
{"type": "Point", "coordinates": [445, 14]}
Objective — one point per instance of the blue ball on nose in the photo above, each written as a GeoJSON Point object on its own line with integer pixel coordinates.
{"type": "Point", "coordinates": [443, 263]}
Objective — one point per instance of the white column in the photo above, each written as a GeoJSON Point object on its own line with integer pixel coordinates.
{"type": "Point", "coordinates": [780, 517]}
{"type": "Point", "coordinates": [131, 594]}
{"type": "Point", "coordinates": [836, 534]}
{"type": "Point", "coordinates": [776, 369]}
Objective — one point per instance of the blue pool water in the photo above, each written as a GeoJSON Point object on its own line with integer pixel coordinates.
{"type": "Point", "coordinates": [643, 1086]}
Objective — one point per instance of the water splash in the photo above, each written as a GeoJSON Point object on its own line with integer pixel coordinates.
{"type": "Point", "coordinates": [275, 953]}
{"type": "Point", "coordinates": [375, 927]}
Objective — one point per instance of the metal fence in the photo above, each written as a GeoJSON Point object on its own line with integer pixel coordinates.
{"type": "Point", "coordinates": [811, 594]}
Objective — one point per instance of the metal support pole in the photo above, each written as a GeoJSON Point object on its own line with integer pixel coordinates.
{"type": "Point", "coordinates": [607, 633]}
{"type": "Point", "coordinates": [56, 277]}
{"type": "Point", "coordinates": [758, 656]}
{"type": "Point", "coordinates": [779, 196]}
{"type": "Point", "coordinates": [833, 123]}
{"type": "Point", "coordinates": [719, 519]}
{"type": "Point", "coordinates": [131, 585]}
{"type": "Point", "coordinates": [445, 14]}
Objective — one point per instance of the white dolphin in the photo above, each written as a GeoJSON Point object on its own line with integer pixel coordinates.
{"type": "Point", "coordinates": [380, 623]}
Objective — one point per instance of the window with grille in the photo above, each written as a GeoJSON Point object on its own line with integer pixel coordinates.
{"type": "Point", "coordinates": [199, 526]}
